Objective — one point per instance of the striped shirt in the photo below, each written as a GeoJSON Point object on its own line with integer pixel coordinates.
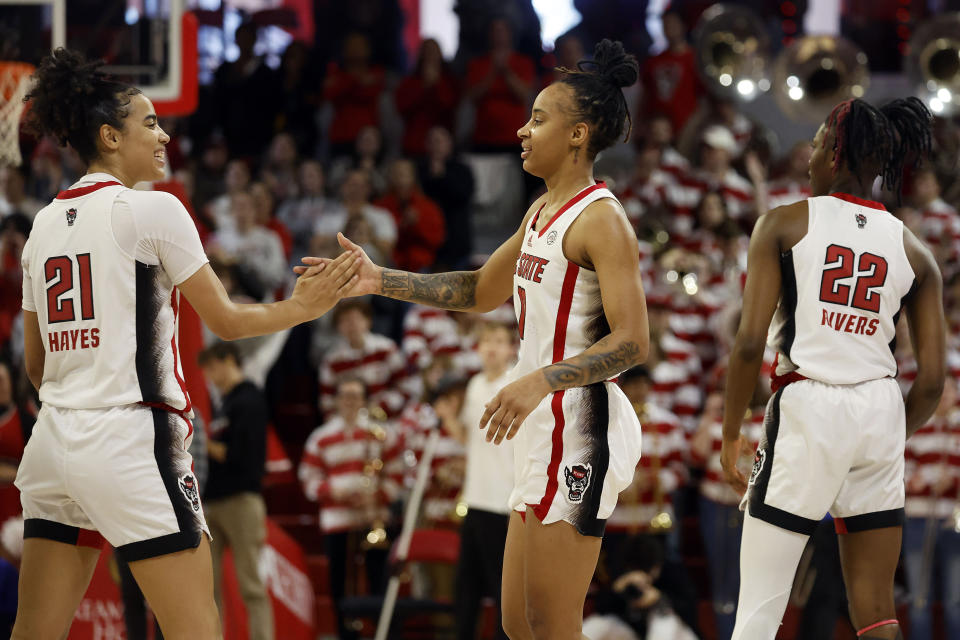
{"type": "Point", "coordinates": [339, 464]}
{"type": "Point", "coordinates": [378, 363]}
{"type": "Point", "coordinates": [664, 448]}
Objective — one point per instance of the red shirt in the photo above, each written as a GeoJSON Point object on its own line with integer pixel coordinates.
{"type": "Point", "coordinates": [417, 242]}
{"type": "Point", "coordinates": [499, 112]}
{"type": "Point", "coordinates": [11, 450]}
{"type": "Point", "coordinates": [355, 104]}
{"type": "Point", "coordinates": [423, 107]}
{"type": "Point", "coordinates": [671, 86]}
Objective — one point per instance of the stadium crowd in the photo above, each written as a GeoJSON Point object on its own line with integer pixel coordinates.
{"type": "Point", "coordinates": [276, 162]}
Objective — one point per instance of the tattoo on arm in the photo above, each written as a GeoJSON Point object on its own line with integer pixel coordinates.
{"type": "Point", "coordinates": [599, 362]}
{"type": "Point", "coordinates": [455, 290]}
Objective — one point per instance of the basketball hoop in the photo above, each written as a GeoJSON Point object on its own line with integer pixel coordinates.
{"type": "Point", "coordinates": [14, 82]}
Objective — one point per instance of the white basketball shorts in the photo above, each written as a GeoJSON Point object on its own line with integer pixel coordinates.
{"type": "Point", "coordinates": [831, 448]}
{"type": "Point", "coordinates": [122, 473]}
{"type": "Point", "coordinates": [574, 454]}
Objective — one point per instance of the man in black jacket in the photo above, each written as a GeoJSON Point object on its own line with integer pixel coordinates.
{"type": "Point", "coordinates": [233, 505]}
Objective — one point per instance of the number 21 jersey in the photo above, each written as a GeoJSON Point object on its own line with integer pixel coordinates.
{"type": "Point", "coordinates": [100, 269]}
{"type": "Point", "coordinates": [843, 286]}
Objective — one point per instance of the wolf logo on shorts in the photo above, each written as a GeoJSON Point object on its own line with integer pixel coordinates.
{"type": "Point", "coordinates": [578, 479]}
{"type": "Point", "coordinates": [758, 461]}
{"type": "Point", "coordinates": [188, 485]}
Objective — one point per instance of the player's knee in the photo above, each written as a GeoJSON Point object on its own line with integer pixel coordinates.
{"type": "Point", "coordinates": [544, 624]}
{"type": "Point", "coordinates": [870, 602]}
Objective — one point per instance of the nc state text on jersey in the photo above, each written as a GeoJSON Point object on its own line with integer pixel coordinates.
{"type": "Point", "coordinates": [531, 267]}
{"type": "Point", "coordinates": [849, 323]}
{"type": "Point", "coordinates": [72, 339]}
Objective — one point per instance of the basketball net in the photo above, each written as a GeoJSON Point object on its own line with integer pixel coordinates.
{"type": "Point", "coordinates": [14, 82]}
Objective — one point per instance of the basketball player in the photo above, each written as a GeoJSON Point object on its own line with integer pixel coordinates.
{"type": "Point", "coordinates": [833, 272]}
{"type": "Point", "coordinates": [101, 273]}
{"type": "Point", "coordinates": [572, 268]}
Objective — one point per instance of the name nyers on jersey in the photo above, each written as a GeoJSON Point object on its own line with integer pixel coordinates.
{"type": "Point", "coordinates": [843, 287]}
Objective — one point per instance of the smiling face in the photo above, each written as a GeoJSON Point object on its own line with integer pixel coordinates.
{"type": "Point", "coordinates": [139, 145]}
{"type": "Point", "coordinates": [551, 133]}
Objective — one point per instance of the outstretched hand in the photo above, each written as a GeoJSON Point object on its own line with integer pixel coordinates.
{"type": "Point", "coordinates": [322, 285]}
{"type": "Point", "coordinates": [368, 274]}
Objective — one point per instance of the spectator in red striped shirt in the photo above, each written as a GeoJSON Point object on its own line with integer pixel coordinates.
{"type": "Point", "coordinates": [353, 466]}
{"type": "Point", "coordinates": [792, 185]}
{"type": "Point", "coordinates": [662, 468]}
{"type": "Point", "coordinates": [430, 333]}
{"type": "Point", "coordinates": [714, 173]}
{"type": "Point", "coordinates": [359, 353]}
{"type": "Point", "coordinates": [646, 506]}
{"type": "Point", "coordinates": [442, 402]}
{"type": "Point", "coordinates": [721, 520]}
{"type": "Point", "coordinates": [675, 368]}
{"type": "Point", "coordinates": [663, 136]}
{"type": "Point", "coordinates": [939, 223]}
{"type": "Point", "coordinates": [931, 538]}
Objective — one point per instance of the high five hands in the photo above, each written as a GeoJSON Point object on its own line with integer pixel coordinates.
{"type": "Point", "coordinates": [367, 275]}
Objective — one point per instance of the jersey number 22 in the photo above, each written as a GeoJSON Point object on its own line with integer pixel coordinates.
{"type": "Point", "coordinates": [871, 273]}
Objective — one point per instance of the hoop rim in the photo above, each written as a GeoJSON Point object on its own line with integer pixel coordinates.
{"type": "Point", "coordinates": [16, 67]}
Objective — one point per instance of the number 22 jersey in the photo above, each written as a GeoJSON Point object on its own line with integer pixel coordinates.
{"type": "Point", "coordinates": [843, 286]}
{"type": "Point", "coordinates": [100, 270]}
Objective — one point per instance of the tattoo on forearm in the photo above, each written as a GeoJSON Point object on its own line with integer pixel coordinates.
{"type": "Point", "coordinates": [605, 361]}
{"type": "Point", "coordinates": [455, 290]}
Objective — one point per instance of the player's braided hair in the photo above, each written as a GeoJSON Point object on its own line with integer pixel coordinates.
{"type": "Point", "coordinates": [71, 98]}
{"type": "Point", "coordinates": [880, 141]}
{"type": "Point", "coordinates": [598, 93]}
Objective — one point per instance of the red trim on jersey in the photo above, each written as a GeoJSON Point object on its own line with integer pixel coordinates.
{"type": "Point", "coordinates": [778, 382]}
{"type": "Point", "coordinates": [563, 310]}
{"type": "Point", "coordinates": [82, 191]}
{"type": "Point", "coordinates": [556, 404]}
{"type": "Point", "coordinates": [175, 303]}
{"type": "Point", "coordinates": [840, 526]}
{"type": "Point", "coordinates": [574, 200]}
{"type": "Point", "coordinates": [870, 204]}
{"type": "Point", "coordinates": [556, 453]}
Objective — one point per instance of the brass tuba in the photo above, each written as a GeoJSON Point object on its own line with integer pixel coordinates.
{"type": "Point", "coordinates": [934, 62]}
{"type": "Point", "coordinates": [815, 73]}
{"type": "Point", "coordinates": [733, 52]}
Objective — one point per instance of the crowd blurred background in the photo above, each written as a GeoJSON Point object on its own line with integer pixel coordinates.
{"type": "Point", "coordinates": [414, 156]}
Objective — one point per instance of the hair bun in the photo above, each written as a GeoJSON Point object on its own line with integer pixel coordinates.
{"type": "Point", "coordinates": [614, 64]}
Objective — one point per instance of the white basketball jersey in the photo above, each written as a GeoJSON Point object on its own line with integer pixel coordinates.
{"type": "Point", "coordinates": [557, 302]}
{"type": "Point", "coordinates": [106, 304]}
{"type": "Point", "coordinates": [842, 292]}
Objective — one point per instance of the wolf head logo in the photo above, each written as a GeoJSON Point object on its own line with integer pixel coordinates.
{"type": "Point", "coordinates": [71, 217]}
{"type": "Point", "coordinates": [578, 479]}
{"type": "Point", "coordinates": [188, 485]}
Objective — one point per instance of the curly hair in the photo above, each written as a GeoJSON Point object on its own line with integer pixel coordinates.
{"type": "Point", "coordinates": [71, 98]}
{"type": "Point", "coordinates": [598, 93]}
